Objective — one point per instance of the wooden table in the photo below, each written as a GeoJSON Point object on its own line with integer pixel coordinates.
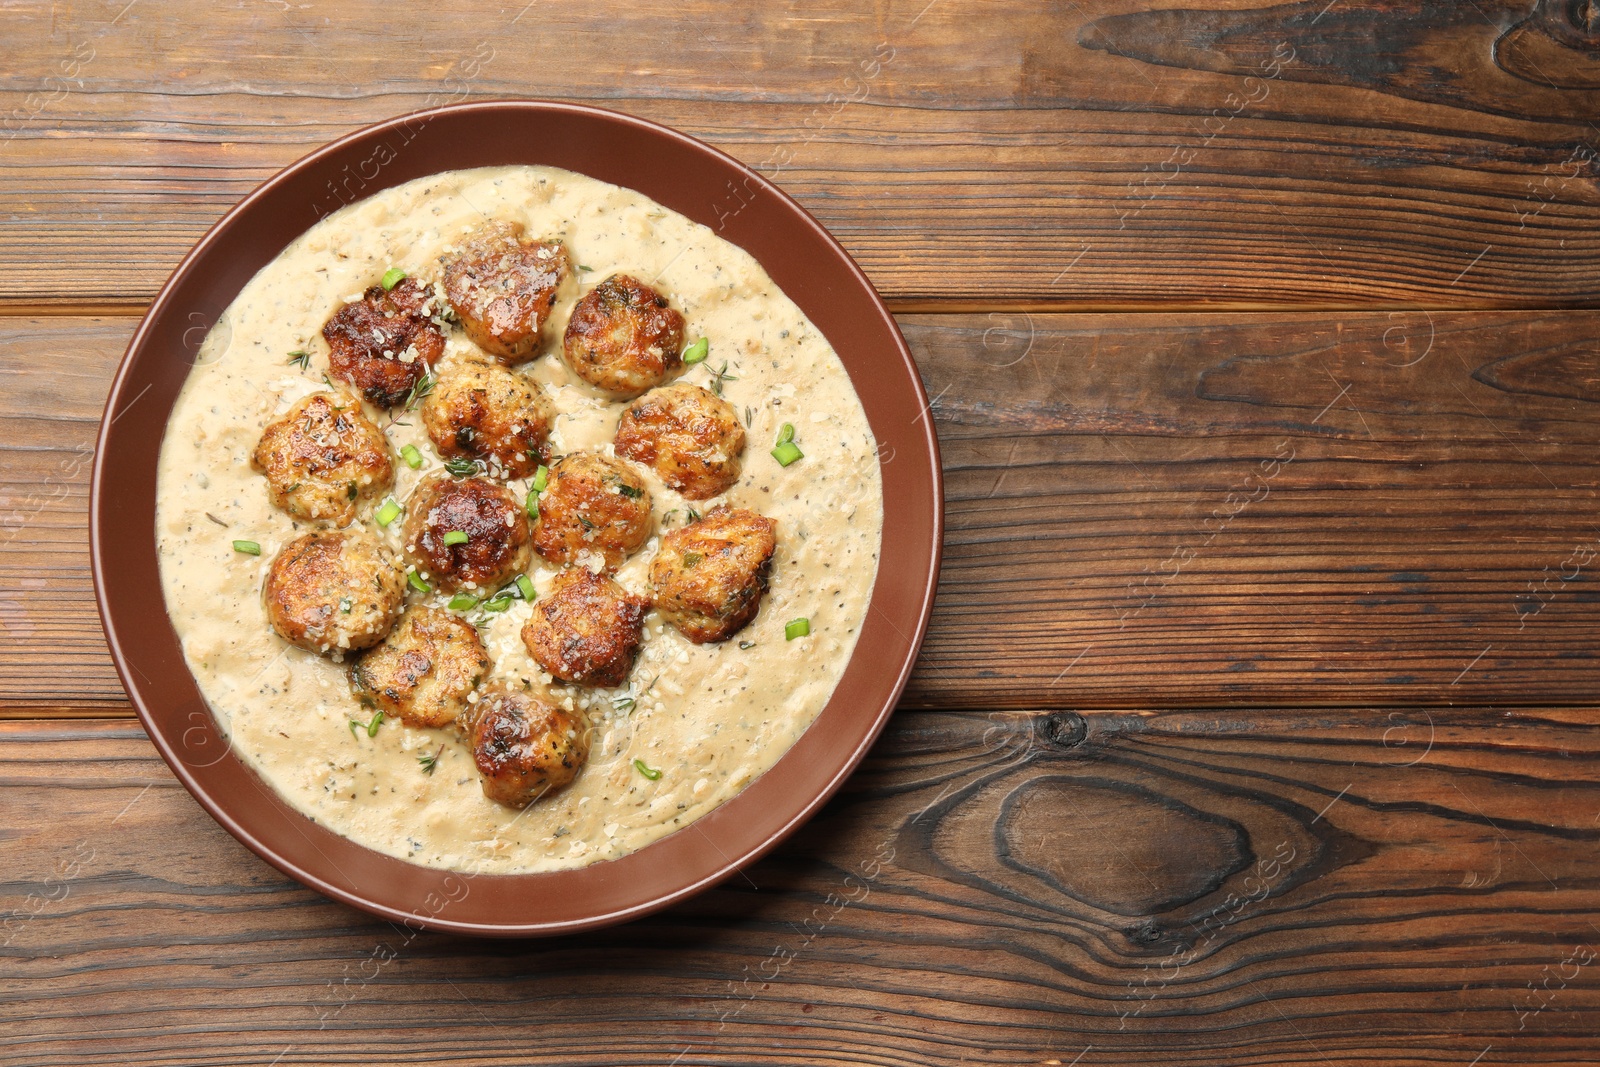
{"type": "Point", "coordinates": [1256, 723]}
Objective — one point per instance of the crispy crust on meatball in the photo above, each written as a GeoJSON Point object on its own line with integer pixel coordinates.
{"type": "Point", "coordinates": [587, 631]}
{"type": "Point", "coordinates": [481, 410]}
{"type": "Point", "coordinates": [497, 546]}
{"type": "Point", "coordinates": [592, 504]}
{"type": "Point", "coordinates": [623, 337]}
{"type": "Point", "coordinates": [524, 746]}
{"type": "Point", "coordinates": [333, 591]}
{"type": "Point", "coordinates": [384, 343]}
{"type": "Point", "coordinates": [710, 575]}
{"type": "Point", "coordinates": [502, 288]}
{"type": "Point", "coordinates": [321, 457]}
{"type": "Point", "coordinates": [424, 670]}
{"type": "Point", "coordinates": [691, 437]}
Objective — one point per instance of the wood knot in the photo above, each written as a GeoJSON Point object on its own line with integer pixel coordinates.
{"type": "Point", "coordinates": [1064, 728]}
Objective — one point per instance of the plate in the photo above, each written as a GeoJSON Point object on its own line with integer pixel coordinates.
{"type": "Point", "coordinates": [690, 178]}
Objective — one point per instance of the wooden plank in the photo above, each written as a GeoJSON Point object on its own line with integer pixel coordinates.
{"type": "Point", "coordinates": [1361, 887]}
{"type": "Point", "coordinates": [1088, 154]}
{"type": "Point", "coordinates": [1273, 510]}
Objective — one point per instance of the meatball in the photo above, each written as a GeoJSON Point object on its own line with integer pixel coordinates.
{"type": "Point", "coordinates": [709, 575]}
{"type": "Point", "coordinates": [502, 288]}
{"type": "Point", "coordinates": [588, 629]}
{"type": "Point", "coordinates": [692, 438]}
{"type": "Point", "coordinates": [496, 546]}
{"type": "Point", "coordinates": [334, 591]}
{"type": "Point", "coordinates": [623, 338]}
{"type": "Point", "coordinates": [321, 457]}
{"type": "Point", "coordinates": [524, 745]}
{"type": "Point", "coordinates": [592, 504]}
{"type": "Point", "coordinates": [481, 410]}
{"type": "Point", "coordinates": [424, 669]}
{"type": "Point", "coordinates": [384, 343]}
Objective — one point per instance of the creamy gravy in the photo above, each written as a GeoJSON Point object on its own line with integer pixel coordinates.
{"type": "Point", "coordinates": [711, 718]}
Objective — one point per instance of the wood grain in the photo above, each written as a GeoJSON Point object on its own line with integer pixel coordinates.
{"type": "Point", "coordinates": [1083, 154]}
{"type": "Point", "coordinates": [1271, 510]}
{"type": "Point", "coordinates": [1360, 887]}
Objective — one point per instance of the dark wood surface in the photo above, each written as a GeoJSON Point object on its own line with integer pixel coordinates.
{"type": "Point", "coordinates": [994, 889]}
{"type": "Point", "coordinates": [1257, 720]}
{"type": "Point", "coordinates": [1089, 153]}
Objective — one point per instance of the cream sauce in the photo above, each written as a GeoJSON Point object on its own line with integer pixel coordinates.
{"type": "Point", "coordinates": [711, 718]}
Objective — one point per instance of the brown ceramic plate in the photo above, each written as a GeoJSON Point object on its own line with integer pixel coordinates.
{"type": "Point", "coordinates": [688, 177]}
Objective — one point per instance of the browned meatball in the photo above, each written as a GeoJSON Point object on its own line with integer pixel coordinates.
{"type": "Point", "coordinates": [503, 287]}
{"type": "Point", "coordinates": [587, 630]}
{"type": "Point", "coordinates": [496, 548]}
{"type": "Point", "coordinates": [333, 591]}
{"type": "Point", "coordinates": [709, 575]}
{"type": "Point", "coordinates": [623, 338]}
{"type": "Point", "coordinates": [384, 343]}
{"type": "Point", "coordinates": [424, 669]}
{"type": "Point", "coordinates": [481, 410]}
{"type": "Point", "coordinates": [524, 745]}
{"type": "Point", "coordinates": [592, 503]}
{"type": "Point", "coordinates": [691, 437]}
{"type": "Point", "coordinates": [321, 457]}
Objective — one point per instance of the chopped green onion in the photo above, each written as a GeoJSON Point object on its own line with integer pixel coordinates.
{"type": "Point", "coordinates": [370, 727]}
{"type": "Point", "coordinates": [412, 457]}
{"type": "Point", "coordinates": [531, 505]}
{"type": "Point", "coordinates": [649, 772]}
{"type": "Point", "coordinates": [541, 478]}
{"type": "Point", "coordinates": [351, 491]}
{"type": "Point", "coordinates": [786, 434]}
{"type": "Point", "coordinates": [797, 628]}
{"type": "Point", "coordinates": [463, 602]}
{"type": "Point", "coordinates": [416, 582]}
{"type": "Point", "coordinates": [461, 468]}
{"type": "Point", "coordinates": [500, 603]}
{"type": "Point", "coordinates": [456, 537]}
{"type": "Point", "coordinates": [696, 352]}
{"type": "Point", "coordinates": [630, 491]}
{"type": "Point", "coordinates": [787, 453]}
{"type": "Point", "coordinates": [392, 277]}
{"type": "Point", "coordinates": [249, 548]}
{"type": "Point", "coordinates": [525, 587]}
{"type": "Point", "coordinates": [388, 513]}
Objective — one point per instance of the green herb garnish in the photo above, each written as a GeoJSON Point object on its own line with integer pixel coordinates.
{"type": "Point", "coordinates": [463, 602]}
{"type": "Point", "coordinates": [249, 548]}
{"type": "Point", "coordinates": [430, 762]}
{"type": "Point", "coordinates": [412, 457]}
{"type": "Point", "coordinates": [541, 478]}
{"type": "Point", "coordinates": [300, 358]}
{"type": "Point", "coordinates": [630, 492]}
{"type": "Point", "coordinates": [720, 376]}
{"type": "Point", "coordinates": [416, 581]}
{"type": "Point", "coordinates": [370, 727]}
{"type": "Point", "coordinates": [525, 587]}
{"type": "Point", "coordinates": [461, 468]}
{"type": "Point", "coordinates": [797, 628]}
{"type": "Point", "coordinates": [423, 387]}
{"type": "Point", "coordinates": [388, 513]}
{"type": "Point", "coordinates": [696, 352]}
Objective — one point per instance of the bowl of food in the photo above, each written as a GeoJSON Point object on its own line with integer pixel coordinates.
{"type": "Point", "coordinates": [515, 517]}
